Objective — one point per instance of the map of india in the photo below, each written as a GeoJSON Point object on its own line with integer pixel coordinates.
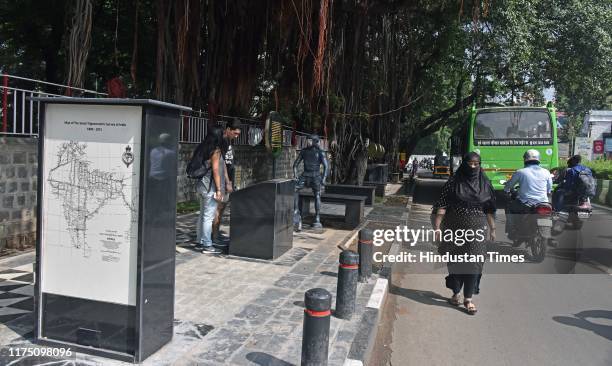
{"type": "Point", "coordinates": [83, 189]}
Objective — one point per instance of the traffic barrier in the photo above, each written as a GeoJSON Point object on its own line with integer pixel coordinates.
{"type": "Point", "coordinates": [365, 254]}
{"type": "Point", "coordinates": [347, 284]}
{"type": "Point", "coordinates": [315, 335]}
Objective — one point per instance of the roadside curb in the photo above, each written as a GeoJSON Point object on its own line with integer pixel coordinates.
{"type": "Point", "coordinates": [19, 259]}
{"type": "Point", "coordinates": [363, 344]}
{"type": "Point", "coordinates": [353, 235]}
{"type": "Point", "coordinates": [600, 206]}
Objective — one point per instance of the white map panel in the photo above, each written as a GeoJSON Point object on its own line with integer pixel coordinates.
{"type": "Point", "coordinates": [90, 201]}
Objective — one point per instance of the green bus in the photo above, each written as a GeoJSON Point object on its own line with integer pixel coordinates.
{"type": "Point", "coordinates": [501, 135]}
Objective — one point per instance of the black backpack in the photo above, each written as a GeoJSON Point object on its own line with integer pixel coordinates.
{"type": "Point", "coordinates": [198, 166]}
{"type": "Point", "coordinates": [585, 184]}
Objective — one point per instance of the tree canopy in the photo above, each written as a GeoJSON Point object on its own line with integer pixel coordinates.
{"type": "Point", "coordinates": [395, 71]}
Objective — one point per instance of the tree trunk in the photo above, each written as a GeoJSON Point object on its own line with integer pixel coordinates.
{"type": "Point", "coordinates": [79, 40]}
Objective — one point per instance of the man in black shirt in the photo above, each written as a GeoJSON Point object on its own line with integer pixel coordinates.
{"type": "Point", "coordinates": [231, 131]}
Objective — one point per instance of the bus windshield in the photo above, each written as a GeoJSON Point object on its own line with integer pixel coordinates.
{"type": "Point", "coordinates": [518, 127]}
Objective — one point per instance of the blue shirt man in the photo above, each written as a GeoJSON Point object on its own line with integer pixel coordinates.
{"type": "Point", "coordinates": [535, 182]}
{"type": "Point", "coordinates": [568, 182]}
{"type": "Point", "coordinates": [571, 176]}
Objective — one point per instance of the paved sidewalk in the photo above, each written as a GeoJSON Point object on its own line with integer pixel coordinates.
{"type": "Point", "coordinates": [228, 310]}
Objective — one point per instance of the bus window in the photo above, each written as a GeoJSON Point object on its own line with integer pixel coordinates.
{"type": "Point", "coordinates": [520, 124]}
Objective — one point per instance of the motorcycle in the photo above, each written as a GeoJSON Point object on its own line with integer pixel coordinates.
{"type": "Point", "coordinates": [571, 219]}
{"type": "Point", "coordinates": [535, 228]}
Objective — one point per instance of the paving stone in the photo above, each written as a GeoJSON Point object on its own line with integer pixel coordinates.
{"type": "Point", "coordinates": [272, 297]}
{"type": "Point", "coordinates": [280, 327]}
{"type": "Point", "coordinates": [337, 353]}
{"type": "Point", "coordinates": [282, 314]}
{"type": "Point", "coordinates": [247, 312]}
{"type": "Point", "coordinates": [345, 336]}
{"type": "Point", "coordinates": [255, 314]}
{"type": "Point", "coordinates": [222, 345]}
{"type": "Point", "coordinates": [291, 281]}
{"type": "Point", "coordinates": [305, 268]}
{"type": "Point", "coordinates": [293, 350]}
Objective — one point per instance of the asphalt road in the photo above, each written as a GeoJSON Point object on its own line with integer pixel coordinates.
{"type": "Point", "coordinates": [522, 319]}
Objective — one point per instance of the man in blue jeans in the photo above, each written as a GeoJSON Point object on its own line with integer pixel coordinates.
{"type": "Point", "coordinates": [212, 189]}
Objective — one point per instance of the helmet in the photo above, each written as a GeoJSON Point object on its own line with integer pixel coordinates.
{"type": "Point", "coordinates": [531, 155]}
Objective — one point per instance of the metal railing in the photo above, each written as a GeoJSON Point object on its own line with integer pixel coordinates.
{"type": "Point", "coordinates": [19, 113]}
{"type": "Point", "coordinates": [194, 128]}
{"type": "Point", "coordinates": [301, 141]}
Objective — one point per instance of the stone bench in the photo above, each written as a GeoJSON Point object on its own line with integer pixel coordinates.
{"type": "Point", "coordinates": [354, 205]}
{"type": "Point", "coordinates": [380, 187]}
{"type": "Point", "coordinates": [349, 190]}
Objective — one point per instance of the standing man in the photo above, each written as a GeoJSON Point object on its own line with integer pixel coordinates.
{"type": "Point", "coordinates": [231, 131]}
{"type": "Point", "coordinates": [313, 157]}
{"type": "Point", "coordinates": [415, 168]}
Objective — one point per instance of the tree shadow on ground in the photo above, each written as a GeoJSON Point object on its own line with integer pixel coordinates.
{"type": "Point", "coordinates": [424, 297]}
{"type": "Point", "coordinates": [329, 273]}
{"type": "Point", "coordinates": [584, 320]}
{"type": "Point", "coordinates": [265, 359]}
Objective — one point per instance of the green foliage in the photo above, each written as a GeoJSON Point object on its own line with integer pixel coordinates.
{"type": "Point", "coordinates": [187, 207]}
{"type": "Point", "coordinates": [602, 169]}
{"type": "Point", "coordinates": [436, 141]}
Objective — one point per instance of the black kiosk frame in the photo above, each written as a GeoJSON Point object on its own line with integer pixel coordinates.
{"type": "Point", "coordinates": [131, 330]}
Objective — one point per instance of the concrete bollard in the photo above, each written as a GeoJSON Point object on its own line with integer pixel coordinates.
{"type": "Point", "coordinates": [315, 337]}
{"type": "Point", "coordinates": [347, 284]}
{"type": "Point", "coordinates": [365, 254]}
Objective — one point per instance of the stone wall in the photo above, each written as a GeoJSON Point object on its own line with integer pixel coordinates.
{"type": "Point", "coordinates": [18, 183]}
{"type": "Point", "coordinates": [252, 164]}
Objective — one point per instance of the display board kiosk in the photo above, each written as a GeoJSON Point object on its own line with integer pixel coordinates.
{"type": "Point", "coordinates": [261, 219]}
{"type": "Point", "coordinates": [105, 252]}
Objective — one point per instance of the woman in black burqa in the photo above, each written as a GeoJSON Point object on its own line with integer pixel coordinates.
{"type": "Point", "coordinates": [467, 201]}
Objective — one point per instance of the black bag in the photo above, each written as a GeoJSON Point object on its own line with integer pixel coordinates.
{"type": "Point", "coordinates": [198, 166]}
{"type": "Point", "coordinates": [585, 184]}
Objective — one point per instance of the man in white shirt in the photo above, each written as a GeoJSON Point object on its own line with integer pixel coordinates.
{"type": "Point", "coordinates": [535, 184]}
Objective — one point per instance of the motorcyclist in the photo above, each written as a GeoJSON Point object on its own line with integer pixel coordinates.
{"type": "Point", "coordinates": [568, 183]}
{"type": "Point", "coordinates": [535, 184]}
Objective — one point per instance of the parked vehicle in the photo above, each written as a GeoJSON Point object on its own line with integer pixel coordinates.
{"type": "Point", "coordinates": [441, 168]}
